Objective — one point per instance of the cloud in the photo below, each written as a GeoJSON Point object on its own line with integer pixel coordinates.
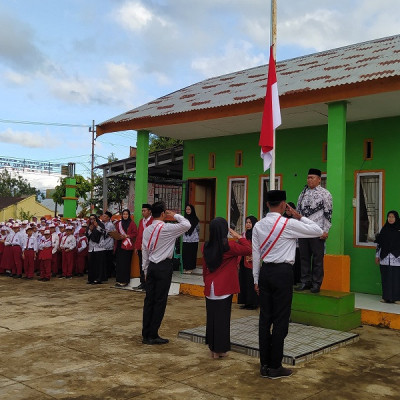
{"type": "Point", "coordinates": [16, 78]}
{"type": "Point", "coordinates": [134, 16]}
{"type": "Point", "coordinates": [29, 139]}
{"type": "Point", "coordinates": [235, 57]}
{"type": "Point", "coordinates": [115, 87]}
{"type": "Point", "coordinates": [17, 47]}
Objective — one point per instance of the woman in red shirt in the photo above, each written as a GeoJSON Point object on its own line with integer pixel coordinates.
{"type": "Point", "coordinates": [221, 281]}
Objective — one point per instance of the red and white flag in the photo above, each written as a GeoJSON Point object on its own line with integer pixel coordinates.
{"type": "Point", "coordinates": [271, 117]}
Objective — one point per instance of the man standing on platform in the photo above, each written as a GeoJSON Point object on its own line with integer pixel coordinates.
{"type": "Point", "coordinates": [274, 252]}
{"type": "Point", "coordinates": [157, 252]}
{"type": "Point", "coordinates": [315, 203]}
{"type": "Point", "coordinates": [146, 220]}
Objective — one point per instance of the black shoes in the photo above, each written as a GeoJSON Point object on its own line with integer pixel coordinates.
{"type": "Point", "coordinates": [248, 307]}
{"type": "Point", "coordinates": [17, 276]}
{"type": "Point", "coordinates": [275, 373]}
{"type": "Point", "coordinates": [315, 289]}
{"type": "Point", "coordinates": [303, 286]}
{"type": "Point", "coordinates": [157, 340]}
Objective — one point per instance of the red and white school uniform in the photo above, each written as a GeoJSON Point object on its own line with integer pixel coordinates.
{"type": "Point", "coordinates": [45, 255]}
{"type": "Point", "coordinates": [2, 246]}
{"type": "Point", "coordinates": [54, 252]}
{"type": "Point", "coordinates": [30, 250]}
{"type": "Point", "coordinates": [68, 244]}
{"type": "Point", "coordinates": [82, 252]}
{"type": "Point", "coordinates": [15, 240]}
{"type": "Point", "coordinates": [7, 254]}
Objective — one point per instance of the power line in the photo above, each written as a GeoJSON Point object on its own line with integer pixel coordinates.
{"type": "Point", "coordinates": [10, 121]}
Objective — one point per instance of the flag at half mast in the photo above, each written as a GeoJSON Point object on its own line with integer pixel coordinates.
{"type": "Point", "coordinates": [271, 117]}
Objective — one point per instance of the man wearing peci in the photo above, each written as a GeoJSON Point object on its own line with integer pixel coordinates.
{"type": "Point", "coordinates": [274, 251]}
{"type": "Point", "coordinates": [157, 252]}
{"type": "Point", "coordinates": [315, 203]}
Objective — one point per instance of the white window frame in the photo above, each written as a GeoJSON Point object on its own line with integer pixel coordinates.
{"type": "Point", "coordinates": [380, 221]}
{"type": "Point", "coordinates": [241, 179]}
{"type": "Point", "coordinates": [323, 176]}
{"type": "Point", "coordinates": [278, 184]}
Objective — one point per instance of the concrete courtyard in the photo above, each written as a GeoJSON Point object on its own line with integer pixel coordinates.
{"type": "Point", "coordinates": [68, 340]}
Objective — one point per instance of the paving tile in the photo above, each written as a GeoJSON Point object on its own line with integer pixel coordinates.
{"type": "Point", "coordinates": [301, 344]}
{"type": "Point", "coordinates": [18, 391]}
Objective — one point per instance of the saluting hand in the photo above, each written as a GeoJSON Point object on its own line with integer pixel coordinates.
{"type": "Point", "coordinates": [234, 234]}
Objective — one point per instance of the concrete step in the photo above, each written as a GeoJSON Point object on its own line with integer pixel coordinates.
{"type": "Point", "coordinates": [325, 302]}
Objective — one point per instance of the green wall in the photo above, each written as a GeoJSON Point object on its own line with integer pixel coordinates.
{"type": "Point", "coordinates": [297, 151]}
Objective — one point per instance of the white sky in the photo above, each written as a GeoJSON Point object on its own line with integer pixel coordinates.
{"type": "Point", "coordinates": [74, 61]}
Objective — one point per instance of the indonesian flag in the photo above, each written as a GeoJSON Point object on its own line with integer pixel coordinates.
{"type": "Point", "coordinates": [271, 118]}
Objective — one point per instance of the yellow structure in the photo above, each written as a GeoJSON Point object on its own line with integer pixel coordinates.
{"type": "Point", "coordinates": [12, 207]}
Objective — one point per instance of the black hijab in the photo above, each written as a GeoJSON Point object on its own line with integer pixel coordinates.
{"type": "Point", "coordinates": [125, 222]}
{"type": "Point", "coordinates": [217, 245]}
{"type": "Point", "coordinates": [192, 217]}
{"type": "Point", "coordinates": [389, 237]}
{"type": "Point", "coordinates": [249, 232]}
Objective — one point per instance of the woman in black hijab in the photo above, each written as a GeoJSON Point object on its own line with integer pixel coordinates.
{"type": "Point", "coordinates": [247, 296]}
{"type": "Point", "coordinates": [127, 229]}
{"type": "Point", "coordinates": [221, 281]}
{"type": "Point", "coordinates": [190, 241]}
{"type": "Point", "coordinates": [388, 257]}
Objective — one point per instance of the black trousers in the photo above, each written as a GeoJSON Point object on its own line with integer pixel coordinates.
{"type": "Point", "coordinates": [312, 260]}
{"type": "Point", "coordinates": [247, 295]}
{"type": "Point", "coordinates": [142, 280]}
{"type": "Point", "coordinates": [158, 281]}
{"type": "Point", "coordinates": [96, 266]}
{"type": "Point", "coordinates": [276, 291]}
{"type": "Point", "coordinates": [123, 265]}
{"type": "Point", "coordinates": [218, 329]}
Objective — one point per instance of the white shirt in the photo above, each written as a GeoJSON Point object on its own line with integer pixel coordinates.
{"type": "Point", "coordinates": [68, 242]}
{"type": "Point", "coordinates": [30, 243]}
{"type": "Point", "coordinates": [284, 250]}
{"type": "Point", "coordinates": [165, 243]}
{"type": "Point", "coordinates": [55, 242]}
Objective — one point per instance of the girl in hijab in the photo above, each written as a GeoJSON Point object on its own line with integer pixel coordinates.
{"type": "Point", "coordinates": [221, 281]}
{"type": "Point", "coordinates": [95, 233]}
{"type": "Point", "coordinates": [247, 296]}
{"type": "Point", "coordinates": [190, 240]}
{"type": "Point", "coordinates": [388, 257]}
{"type": "Point", "coordinates": [127, 229]}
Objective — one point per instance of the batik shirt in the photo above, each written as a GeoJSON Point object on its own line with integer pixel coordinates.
{"type": "Point", "coordinates": [316, 205]}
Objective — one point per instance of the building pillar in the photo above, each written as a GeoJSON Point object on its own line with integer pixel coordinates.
{"type": "Point", "coordinates": [141, 183]}
{"type": "Point", "coordinates": [70, 198]}
{"type": "Point", "coordinates": [336, 264]}
{"type": "Point", "coordinates": [105, 190]}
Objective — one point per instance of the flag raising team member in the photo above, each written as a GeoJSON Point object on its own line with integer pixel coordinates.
{"type": "Point", "coordinates": [274, 251]}
{"type": "Point", "coordinates": [157, 250]}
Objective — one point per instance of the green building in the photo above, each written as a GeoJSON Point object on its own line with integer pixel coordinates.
{"type": "Point", "coordinates": [340, 113]}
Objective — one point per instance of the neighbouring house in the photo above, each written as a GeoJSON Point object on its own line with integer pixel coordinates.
{"type": "Point", "coordinates": [21, 208]}
{"type": "Point", "coordinates": [340, 113]}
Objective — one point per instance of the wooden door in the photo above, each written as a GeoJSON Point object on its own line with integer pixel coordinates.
{"type": "Point", "coordinates": [202, 197]}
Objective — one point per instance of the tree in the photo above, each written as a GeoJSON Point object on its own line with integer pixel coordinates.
{"type": "Point", "coordinates": [16, 186]}
{"type": "Point", "coordinates": [118, 188]}
{"type": "Point", "coordinates": [161, 143]}
{"type": "Point", "coordinates": [83, 187]}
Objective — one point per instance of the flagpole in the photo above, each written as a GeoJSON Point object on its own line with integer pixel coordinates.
{"type": "Point", "coordinates": [273, 44]}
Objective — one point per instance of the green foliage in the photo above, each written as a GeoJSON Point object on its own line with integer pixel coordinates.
{"type": "Point", "coordinates": [16, 186]}
{"type": "Point", "coordinates": [118, 188]}
{"type": "Point", "coordinates": [83, 187]}
{"type": "Point", "coordinates": [25, 215]}
{"type": "Point", "coordinates": [161, 143]}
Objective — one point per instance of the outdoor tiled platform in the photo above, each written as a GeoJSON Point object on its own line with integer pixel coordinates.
{"type": "Point", "coordinates": [303, 342]}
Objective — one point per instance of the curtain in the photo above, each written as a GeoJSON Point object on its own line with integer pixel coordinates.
{"type": "Point", "coordinates": [370, 189]}
{"type": "Point", "coordinates": [237, 216]}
